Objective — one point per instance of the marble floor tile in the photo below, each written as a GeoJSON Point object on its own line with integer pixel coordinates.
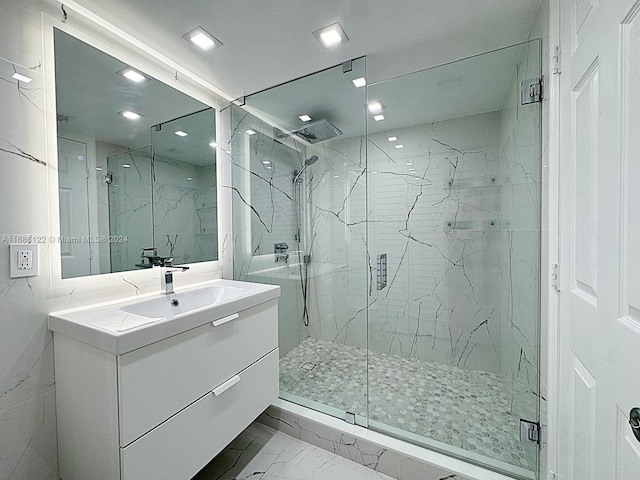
{"type": "Point", "coordinates": [261, 453]}
{"type": "Point", "coordinates": [464, 408]}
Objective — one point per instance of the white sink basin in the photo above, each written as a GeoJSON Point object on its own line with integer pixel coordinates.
{"type": "Point", "coordinates": [178, 304]}
{"type": "Point", "coordinates": [124, 325]}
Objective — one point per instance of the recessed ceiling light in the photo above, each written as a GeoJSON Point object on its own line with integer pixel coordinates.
{"type": "Point", "coordinates": [359, 82]}
{"type": "Point", "coordinates": [377, 118]}
{"type": "Point", "coordinates": [336, 176]}
{"type": "Point", "coordinates": [126, 165]}
{"type": "Point", "coordinates": [132, 74]}
{"type": "Point", "coordinates": [213, 144]}
{"type": "Point", "coordinates": [305, 118]}
{"type": "Point", "coordinates": [202, 39]}
{"type": "Point", "coordinates": [375, 107]}
{"type": "Point", "coordinates": [409, 163]}
{"type": "Point", "coordinates": [180, 133]}
{"type": "Point", "coordinates": [266, 162]}
{"type": "Point", "coordinates": [99, 169]}
{"type": "Point", "coordinates": [21, 78]}
{"type": "Point", "coordinates": [400, 146]}
{"type": "Point", "coordinates": [331, 35]}
{"type": "Point", "coordinates": [251, 132]}
{"type": "Point", "coordinates": [392, 139]}
{"type": "Point", "coordinates": [189, 178]}
{"type": "Point", "coordinates": [130, 115]}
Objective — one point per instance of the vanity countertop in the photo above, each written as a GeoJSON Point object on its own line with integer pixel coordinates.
{"type": "Point", "coordinates": [109, 328]}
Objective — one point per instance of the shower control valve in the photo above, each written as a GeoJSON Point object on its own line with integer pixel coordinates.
{"type": "Point", "coordinates": [280, 249]}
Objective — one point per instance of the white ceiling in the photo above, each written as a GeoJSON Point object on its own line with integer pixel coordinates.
{"type": "Point", "coordinates": [268, 43]}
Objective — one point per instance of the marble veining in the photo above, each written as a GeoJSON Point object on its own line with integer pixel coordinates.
{"type": "Point", "coordinates": [29, 99]}
{"type": "Point", "coordinates": [263, 453]}
{"type": "Point", "coordinates": [395, 463]}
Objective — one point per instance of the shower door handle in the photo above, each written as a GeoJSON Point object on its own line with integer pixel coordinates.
{"type": "Point", "coordinates": [381, 267]}
{"type": "Point", "coordinates": [634, 421]}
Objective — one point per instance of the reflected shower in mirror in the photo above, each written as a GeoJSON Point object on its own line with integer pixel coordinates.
{"type": "Point", "coordinates": [136, 165]}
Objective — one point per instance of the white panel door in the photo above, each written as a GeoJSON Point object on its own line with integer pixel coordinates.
{"type": "Point", "coordinates": [74, 208]}
{"type": "Point", "coordinates": [599, 325]}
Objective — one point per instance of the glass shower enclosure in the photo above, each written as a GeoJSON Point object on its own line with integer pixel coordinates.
{"type": "Point", "coordinates": [403, 224]}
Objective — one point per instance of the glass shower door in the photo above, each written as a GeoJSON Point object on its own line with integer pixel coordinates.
{"type": "Point", "coordinates": [299, 210]}
{"type": "Point", "coordinates": [454, 228]}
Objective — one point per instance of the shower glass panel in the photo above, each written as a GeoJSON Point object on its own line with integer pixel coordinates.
{"type": "Point", "coordinates": [184, 188]}
{"type": "Point", "coordinates": [402, 222]}
{"type": "Point", "coordinates": [130, 206]}
{"type": "Point", "coordinates": [454, 200]}
{"type": "Point", "coordinates": [295, 226]}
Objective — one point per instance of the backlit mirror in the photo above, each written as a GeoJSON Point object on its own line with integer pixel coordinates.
{"type": "Point", "coordinates": [136, 166]}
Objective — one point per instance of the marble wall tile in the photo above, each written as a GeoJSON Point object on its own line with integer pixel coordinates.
{"type": "Point", "coordinates": [28, 440]}
{"type": "Point", "coordinates": [184, 217]}
{"type": "Point", "coordinates": [423, 251]}
{"type": "Point", "coordinates": [130, 200]}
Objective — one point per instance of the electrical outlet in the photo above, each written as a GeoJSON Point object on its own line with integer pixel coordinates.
{"type": "Point", "coordinates": [23, 260]}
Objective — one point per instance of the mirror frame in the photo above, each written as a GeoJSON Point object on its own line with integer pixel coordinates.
{"type": "Point", "coordinates": [113, 41]}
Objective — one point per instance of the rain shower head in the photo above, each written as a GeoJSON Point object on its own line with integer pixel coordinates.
{"type": "Point", "coordinates": [318, 131]}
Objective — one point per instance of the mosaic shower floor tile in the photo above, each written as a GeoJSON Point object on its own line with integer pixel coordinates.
{"type": "Point", "coordinates": [463, 408]}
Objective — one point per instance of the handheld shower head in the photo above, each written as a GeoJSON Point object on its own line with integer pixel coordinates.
{"type": "Point", "coordinates": [309, 161]}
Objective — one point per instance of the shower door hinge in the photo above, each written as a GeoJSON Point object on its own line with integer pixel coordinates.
{"type": "Point", "coordinates": [555, 61]}
{"type": "Point", "coordinates": [555, 276]}
{"type": "Point", "coordinates": [531, 91]}
{"type": "Point", "coordinates": [350, 417]}
{"type": "Point", "coordinates": [529, 432]}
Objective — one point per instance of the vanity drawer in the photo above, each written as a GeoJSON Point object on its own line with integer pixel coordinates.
{"type": "Point", "coordinates": [161, 379]}
{"type": "Point", "coordinates": [185, 443]}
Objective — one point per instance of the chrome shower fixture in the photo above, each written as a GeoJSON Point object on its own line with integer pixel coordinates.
{"type": "Point", "coordinates": [318, 131]}
{"type": "Point", "coordinates": [309, 161]}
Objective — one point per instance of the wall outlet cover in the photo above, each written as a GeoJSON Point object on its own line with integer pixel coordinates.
{"type": "Point", "coordinates": [23, 260]}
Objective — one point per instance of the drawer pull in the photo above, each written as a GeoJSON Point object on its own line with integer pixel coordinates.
{"type": "Point", "coordinates": [220, 389]}
{"type": "Point", "coordinates": [224, 320]}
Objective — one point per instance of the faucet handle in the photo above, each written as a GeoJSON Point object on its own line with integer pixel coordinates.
{"type": "Point", "coordinates": [280, 247]}
{"type": "Point", "coordinates": [166, 261]}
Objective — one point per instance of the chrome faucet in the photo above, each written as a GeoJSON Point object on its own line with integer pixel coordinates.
{"type": "Point", "coordinates": [166, 278]}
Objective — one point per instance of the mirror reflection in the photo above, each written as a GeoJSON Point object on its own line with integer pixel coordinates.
{"type": "Point", "coordinates": [136, 166]}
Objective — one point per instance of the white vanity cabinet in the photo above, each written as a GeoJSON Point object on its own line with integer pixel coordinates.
{"type": "Point", "coordinates": [164, 410]}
